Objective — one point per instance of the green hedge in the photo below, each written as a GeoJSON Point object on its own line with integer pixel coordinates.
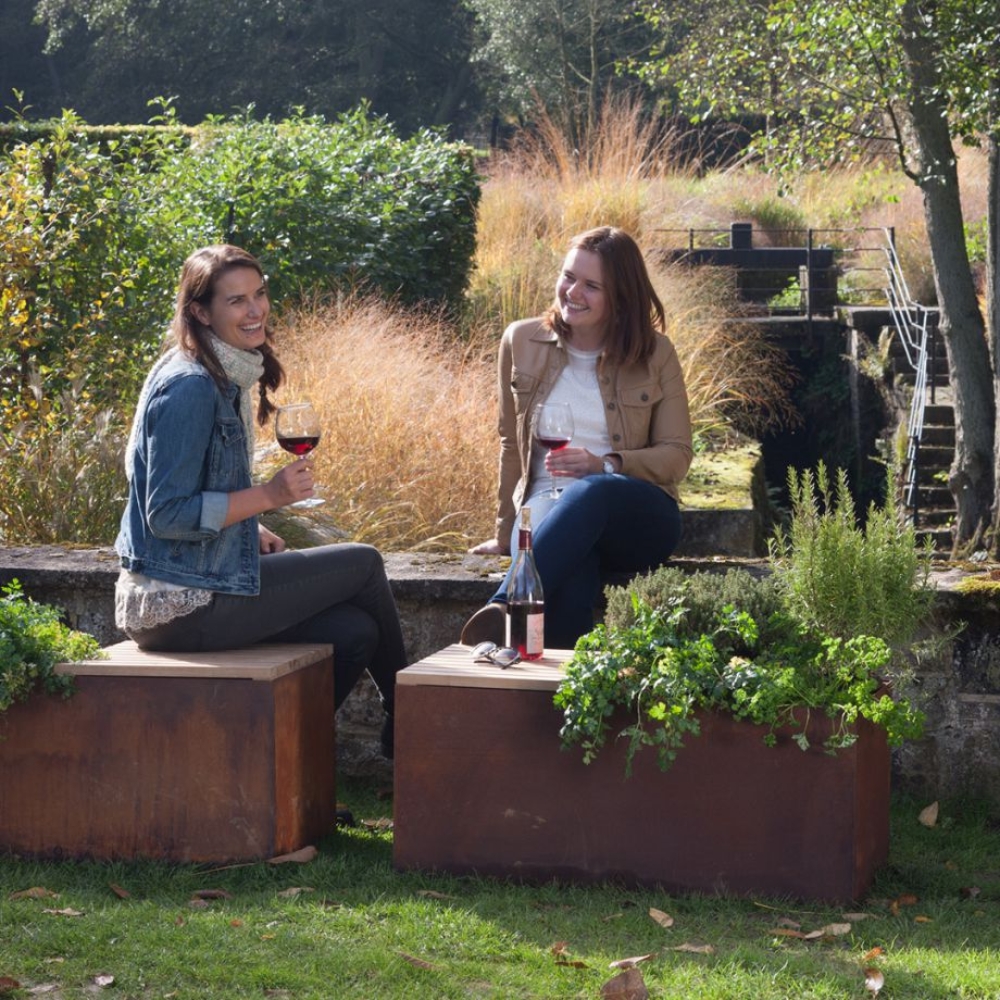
{"type": "Point", "coordinates": [95, 224]}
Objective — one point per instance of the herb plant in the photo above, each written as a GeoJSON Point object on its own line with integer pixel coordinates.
{"type": "Point", "coordinates": [769, 649]}
{"type": "Point", "coordinates": [32, 641]}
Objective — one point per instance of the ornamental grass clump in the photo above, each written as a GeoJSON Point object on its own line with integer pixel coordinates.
{"type": "Point", "coordinates": [771, 649]}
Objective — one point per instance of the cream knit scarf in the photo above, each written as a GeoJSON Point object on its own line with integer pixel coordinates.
{"type": "Point", "coordinates": [242, 368]}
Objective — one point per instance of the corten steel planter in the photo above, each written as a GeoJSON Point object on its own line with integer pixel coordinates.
{"type": "Point", "coordinates": [183, 757]}
{"type": "Point", "coordinates": [483, 785]}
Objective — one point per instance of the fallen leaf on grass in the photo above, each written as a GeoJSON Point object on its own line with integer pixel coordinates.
{"type": "Point", "coordinates": [874, 980]}
{"type": "Point", "coordinates": [789, 923]}
{"type": "Point", "coordinates": [119, 891]}
{"type": "Point", "coordinates": [855, 917]}
{"type": "Point", "coordinates": [571, 963]}
{"type": "Point", "coordinates": [103, 980]}
{"type": "Point", "coordinates": [921, 919]}
{"type": "Point", "coordinates": [378, 825]}
{"type": "Point", "coordinates": [830, 930]}
{"type": "Point", "coordinates": [199, 904]}
{"type": "Point", "coordinates": [43, 988]}
{"type": "Point", "coordinates": [627, 985]}
{"type": "Point", "coordinates": [211, 894]}
{"type": "Point", "coordinates": [301, 856]}
{"type": "Point", "coordinates": [631, 963]}
{"type": "Point", "coordinates": [7, 984]}
{"type": "Point", "coordinates": [695, 949]}
{"type": "Point", "coordinates": [869, 955]}
{"type": "Point", "coordinates": [432, 894]}
{"type": "Point", "coordinates": [969, 891]}
{"type": "Point", "coordinates": [235, 923]}
{"type": "Point", "coordinates": [663, 919]}
{"type": "Point", "coordinates": [929, 815]}
{"type": "Point", "coordinates": [295, 890]}
{"type": "Point", "coordinates": [907, 899]}
{"type": "Point", "coordinates": [612, 916]}
{"type": "Point", "coordinates": [559, 948]}
{"type": "Point", "coordinates": [67, 912]}
{"type": "Point", "coordinates": [417, 962]}
{"type": "Point", "coordinates": [35, 892]}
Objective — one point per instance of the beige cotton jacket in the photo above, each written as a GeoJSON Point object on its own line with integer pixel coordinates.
{"type": "Point", "coordinates": [645, 403]}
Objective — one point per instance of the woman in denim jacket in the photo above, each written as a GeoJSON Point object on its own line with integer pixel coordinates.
{"type": "Point", "coordinates": [601, 349]}
{"type": "Point", "coordinates": [190, 543]}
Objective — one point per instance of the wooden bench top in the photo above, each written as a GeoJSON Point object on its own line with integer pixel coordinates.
{"type": "Point", "coordinates": [262, 662]}
{"type": "Point", "coordinates": [453, 667]}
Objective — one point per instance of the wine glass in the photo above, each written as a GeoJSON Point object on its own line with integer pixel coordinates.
{"type": "Point", "coordinates": [297, 429]}
{"type": "Point", "coordinates": [553, 430]}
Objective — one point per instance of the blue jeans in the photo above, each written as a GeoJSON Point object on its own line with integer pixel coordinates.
{"type": "Point", "coordinates": [600, 524]}
{"type": "Point", "coordinates": [332, 593]}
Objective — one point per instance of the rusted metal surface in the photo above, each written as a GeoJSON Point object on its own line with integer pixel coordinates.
{"type": "Point", "coordinates": [483, 785]}
{"type": "Point", "coordinates": [178, 768]}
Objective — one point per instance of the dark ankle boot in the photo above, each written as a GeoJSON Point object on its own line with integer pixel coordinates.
{"type": "Point", "coordinates": [487, 623]}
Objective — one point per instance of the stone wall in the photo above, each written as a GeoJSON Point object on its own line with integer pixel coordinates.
{"type": "Point", "coordinates": [958, 755]}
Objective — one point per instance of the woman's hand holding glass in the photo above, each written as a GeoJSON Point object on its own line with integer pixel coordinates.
{"type": "Point", "coordinates": [297, 429]}
{"type": "Point", "coordinates": [553, 428]}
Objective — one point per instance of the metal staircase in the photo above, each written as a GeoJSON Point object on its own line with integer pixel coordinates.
{"type": "Point", "coordinates": [922, 365]}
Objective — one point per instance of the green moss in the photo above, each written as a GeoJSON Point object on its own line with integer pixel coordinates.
{"type": "Point", "coordinates": [722, 480]}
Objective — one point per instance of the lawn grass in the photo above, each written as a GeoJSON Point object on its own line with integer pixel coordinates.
{"type": "Point", "coordinates": [359, 929]}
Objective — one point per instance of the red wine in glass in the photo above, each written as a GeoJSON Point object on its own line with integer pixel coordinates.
{"type": "Point", "coordinates": [553, 443]}
{"type": "Point", "coordinates": [299, 446]}
{"type": "Point", "coordinates": [553, 430]}
{"type": "Point", "coordinates": [297, 430]}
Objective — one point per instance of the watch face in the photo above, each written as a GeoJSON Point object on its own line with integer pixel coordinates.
{"type": "Point", "coordinates": [609, 467]}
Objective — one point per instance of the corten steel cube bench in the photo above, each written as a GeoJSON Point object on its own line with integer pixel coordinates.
{"type": "Point", "coordinates": [185, 757]}
{"type": "Point", "coordinates": [482, 785]}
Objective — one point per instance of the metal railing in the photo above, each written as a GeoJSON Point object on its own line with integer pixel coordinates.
{"type": "Point", "coordinates": [916, 329]}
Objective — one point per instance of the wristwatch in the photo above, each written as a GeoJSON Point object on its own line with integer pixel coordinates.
{"type": "Point", "coordinates": [609, 466]}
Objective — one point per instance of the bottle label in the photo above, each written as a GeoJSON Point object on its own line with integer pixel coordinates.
{"type": "Point", "coordinates": [535, 634]}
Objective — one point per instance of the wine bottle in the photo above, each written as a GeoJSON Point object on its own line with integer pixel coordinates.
{"type": "Point", "coordinates": [525, 603]}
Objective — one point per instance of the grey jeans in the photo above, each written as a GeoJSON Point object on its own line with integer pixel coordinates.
{"type": "Point", "coordinates": [333, 593]}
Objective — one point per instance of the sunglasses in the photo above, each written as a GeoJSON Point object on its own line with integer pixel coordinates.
{"type": "Point", "coordinates": [500, 656]}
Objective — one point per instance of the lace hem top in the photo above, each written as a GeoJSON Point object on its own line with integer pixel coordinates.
{"type": "Point", "coordinates": [142, 602]}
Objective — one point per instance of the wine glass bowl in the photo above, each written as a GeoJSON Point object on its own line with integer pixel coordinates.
{"type": "Point", "coordinates": [297, 430]}
{"type": "Point", "coordinates": [553, 429]}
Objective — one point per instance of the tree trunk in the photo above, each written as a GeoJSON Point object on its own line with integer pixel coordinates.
{"type": "Point", "coordinates": [993, 309]}
{"type": "Point", "coordinates": [971, 476]}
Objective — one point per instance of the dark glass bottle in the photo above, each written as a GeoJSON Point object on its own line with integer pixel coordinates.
{"type": "Point", "coordinates": [525, 603]}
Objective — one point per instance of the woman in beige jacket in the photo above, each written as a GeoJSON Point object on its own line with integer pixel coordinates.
{"type": "Point", "coordinates": [602, 349]}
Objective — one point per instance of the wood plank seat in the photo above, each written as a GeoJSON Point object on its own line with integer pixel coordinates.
{"type": "Point", "coordinates": [185, 757]}
{"type": "Point", "coordinates": [482, 785]}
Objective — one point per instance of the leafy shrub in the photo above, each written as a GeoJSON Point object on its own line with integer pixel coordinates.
{"type": "Point", "coordinates": [766, 650]}
{"type": "Point", "coordinates": [844, 580]}
{"type": "Point", "coordinates": [32, 642]}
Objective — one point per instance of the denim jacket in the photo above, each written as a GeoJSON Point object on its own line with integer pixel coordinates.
{"type": "Point", "coordinates": [190, 454]}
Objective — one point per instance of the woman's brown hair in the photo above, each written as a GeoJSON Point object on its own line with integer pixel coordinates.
{"type": "Point", "coordinates": [199, 275]}
{"type": "Point", "coordinates": [636, 313]}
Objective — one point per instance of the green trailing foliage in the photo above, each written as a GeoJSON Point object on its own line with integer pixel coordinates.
{"type": "Point", "coordinates": [32, 641]}
{"type": "Point", "coordinates": [771, 650]}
